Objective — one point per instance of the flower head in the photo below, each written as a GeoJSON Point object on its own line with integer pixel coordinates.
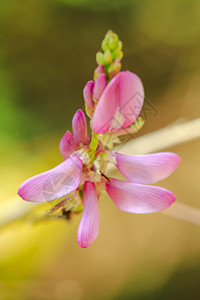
{"type": "Point", "coordinates": [113, 102]}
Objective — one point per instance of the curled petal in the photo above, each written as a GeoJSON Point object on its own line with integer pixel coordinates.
{"type": "Point", "coordinates": [138, 198]}
{"type": "Point", "coordinates": [89, 226]}
{"type": "Point", "coordinates": [53, 184]}
{"type": "Point", "coordinates": [88, 94]}
{"type": "Point", "coordinates": [99, 86]}
{"type": "Point", "coordinates": [67, 145]}
{"type": "Point", "coordinates": [119, 104]}
{"type": "Point", "coordinates": [79, 126]}
{"type": "Point", "coordinates": [147, 168]}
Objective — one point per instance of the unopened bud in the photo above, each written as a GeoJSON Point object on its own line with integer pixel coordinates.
{"type": "Point", "coordinates": [99, 86]}
{"type": "Point", "coordinates": [114, 68]}
{"type": "Point", "coordinates": [88, 94]}
{"type": "Point", "coordinates": [98, 71]}
{"type": "Point", "coordinates": [118, 55]}
{"type": "Point", "coordinates": [119, 46]}
{"type": "Point", "coordinates": [113, 40]}
{"type": "Point", "coordinates": [104, 45]}
{"type": "Point", "coordinates": [100, 58]}
{"type": "Point", "coordinates": [108, 57]}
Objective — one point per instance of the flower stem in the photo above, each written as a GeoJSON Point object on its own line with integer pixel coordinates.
{"type": "Point", "coordinates": [93, 146]}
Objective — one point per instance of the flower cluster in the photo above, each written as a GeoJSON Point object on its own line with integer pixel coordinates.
{"type": "Point", "coordinates": [113, 101]}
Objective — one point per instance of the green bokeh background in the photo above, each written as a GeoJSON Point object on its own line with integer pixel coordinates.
{"type": "Point", "coordinates": [47, 54]}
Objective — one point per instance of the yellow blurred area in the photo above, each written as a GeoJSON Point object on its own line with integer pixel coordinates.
{"type": "Point", "coordinates": [47, 55]}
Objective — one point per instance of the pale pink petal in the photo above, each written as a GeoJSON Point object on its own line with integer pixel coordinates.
{"type": "Point", "coordinates": [119, 104]}
{"type": "Point", "coordinates": [88, 94]}
{"type": "Point", "coordinates": [138, 198]}
{"type": "Point", "coordinates": [99, 86]}
{"type": "Point", "coordinates": [79, 126]}
{"type": "Point", "coordinates": [89, 226]}
{"type": "Point", "coordinates": [53, 184]}
{"type": "Point", "coordinates": [147, 168]}
{"type": "Point", "coordinates": [67, 145]}
{"type": "Point", "coordinates": [99, 70]}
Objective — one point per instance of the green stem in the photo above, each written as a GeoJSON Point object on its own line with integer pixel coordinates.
{"type": "Point", "coordinates": [93, 146]}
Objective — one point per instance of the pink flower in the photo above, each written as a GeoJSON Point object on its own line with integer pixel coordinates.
{"type": "Point", "coordinates": [119, 104]}
{"type": "Point", "coordinates": [70, 143]}
{"type": "Point", "coordinates": [133, 196]}
{"type": "Point", "coordinates": [77, 182]}
{"type": "Point", "coordinates": [65, 178]}
{"type": "Point", "coordinates": [93, 91]}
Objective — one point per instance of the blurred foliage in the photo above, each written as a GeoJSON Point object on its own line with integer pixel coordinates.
{"type": "Point", "coordinates": [47, 55]}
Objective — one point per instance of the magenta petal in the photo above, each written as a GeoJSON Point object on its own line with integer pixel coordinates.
{"type": "Point", "coordinates": [53, 184]}
{"type": "Point", "coordinates": [138, 198]}
{"type": "Point", "coordinates": [120, 103]}
{"type": "Point", "coordinates": [79, 126]}
{"type": "Point", "coordinates": [99, 86]}
{"type": "Point", "coordinates": [89, 226]}
{"type": "Point", "coordinates": [131, 96]}
{"type": "Point", "coordinates": [88, 94]}
{"type": "Point", "coordinates": [67, 145]}
{"type": "Point", "coordinates": [147, 168]}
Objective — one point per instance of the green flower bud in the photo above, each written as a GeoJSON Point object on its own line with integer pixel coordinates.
{"type": "Point", "coordinates": [100, 58]}
{"type": "Point", "coordinates": [112, 50]}
{"type": "Point", "coordinates": [113, 40]}
{"type": "Point", "coordinates": [104, 45]}
{"type": "Point", "coordinates": [108, 57]}
{"type": "Point", "coordinates": [119, 46]}
{"type": "Point", "coordinates": [118, 55]}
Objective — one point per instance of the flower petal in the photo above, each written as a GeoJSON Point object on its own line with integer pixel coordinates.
{"type": "Point", "coordinates": [88, 94]}
{"type": "Point", "coordinates": [147, 168]}
{"type": "Point", "coordinates": [53, 184]}
{"type": "Point", "coordinates": [79, 126]}
{"type": "Point", "coordinates": [89, 226]}
{"type": "Point", "coordinates": [138, 198]}
{"type": "Point", "coordinates": [119, 104]}
{"type": "Point", "coordinates": [99, 86]}
{"type": "Point", "coordinates": [106, 108]}
{"type": "Point", "coordinates": [131, 97]}
{"type": "Point", "coordinates": [98, 71]}
{"type": "Point", "coordinates": [67, 145]}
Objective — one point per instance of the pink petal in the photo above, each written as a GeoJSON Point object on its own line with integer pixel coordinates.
{"type": "Point", "coordinates": [99, 70]}
{"type": "Point", "coordinates": [138, 198]}
{"type": "Point", "coordinates": [131, 96]}
{"type": "Point", "coordinates": [106, 108]}
{"type": "Point", "coordinates": [67, 145]}
{"type": "Point", "coordinates": [88, 94]}
{"type": "Point", "coordinates": [147, 168]}
{"type": "Point", "coordinates": [53, 184]}
{"type": "Point", "coordinates": [120, 103]}
{"type": "Point", "coordinates": [99, 86]}
{"type": "Point", "coordinates": [79, 126]}
{"type": "Point", "coordinates": [89, 226]}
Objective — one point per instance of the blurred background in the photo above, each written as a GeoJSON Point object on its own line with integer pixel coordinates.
{"type": "Point", "coordinates": [47, 54]}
